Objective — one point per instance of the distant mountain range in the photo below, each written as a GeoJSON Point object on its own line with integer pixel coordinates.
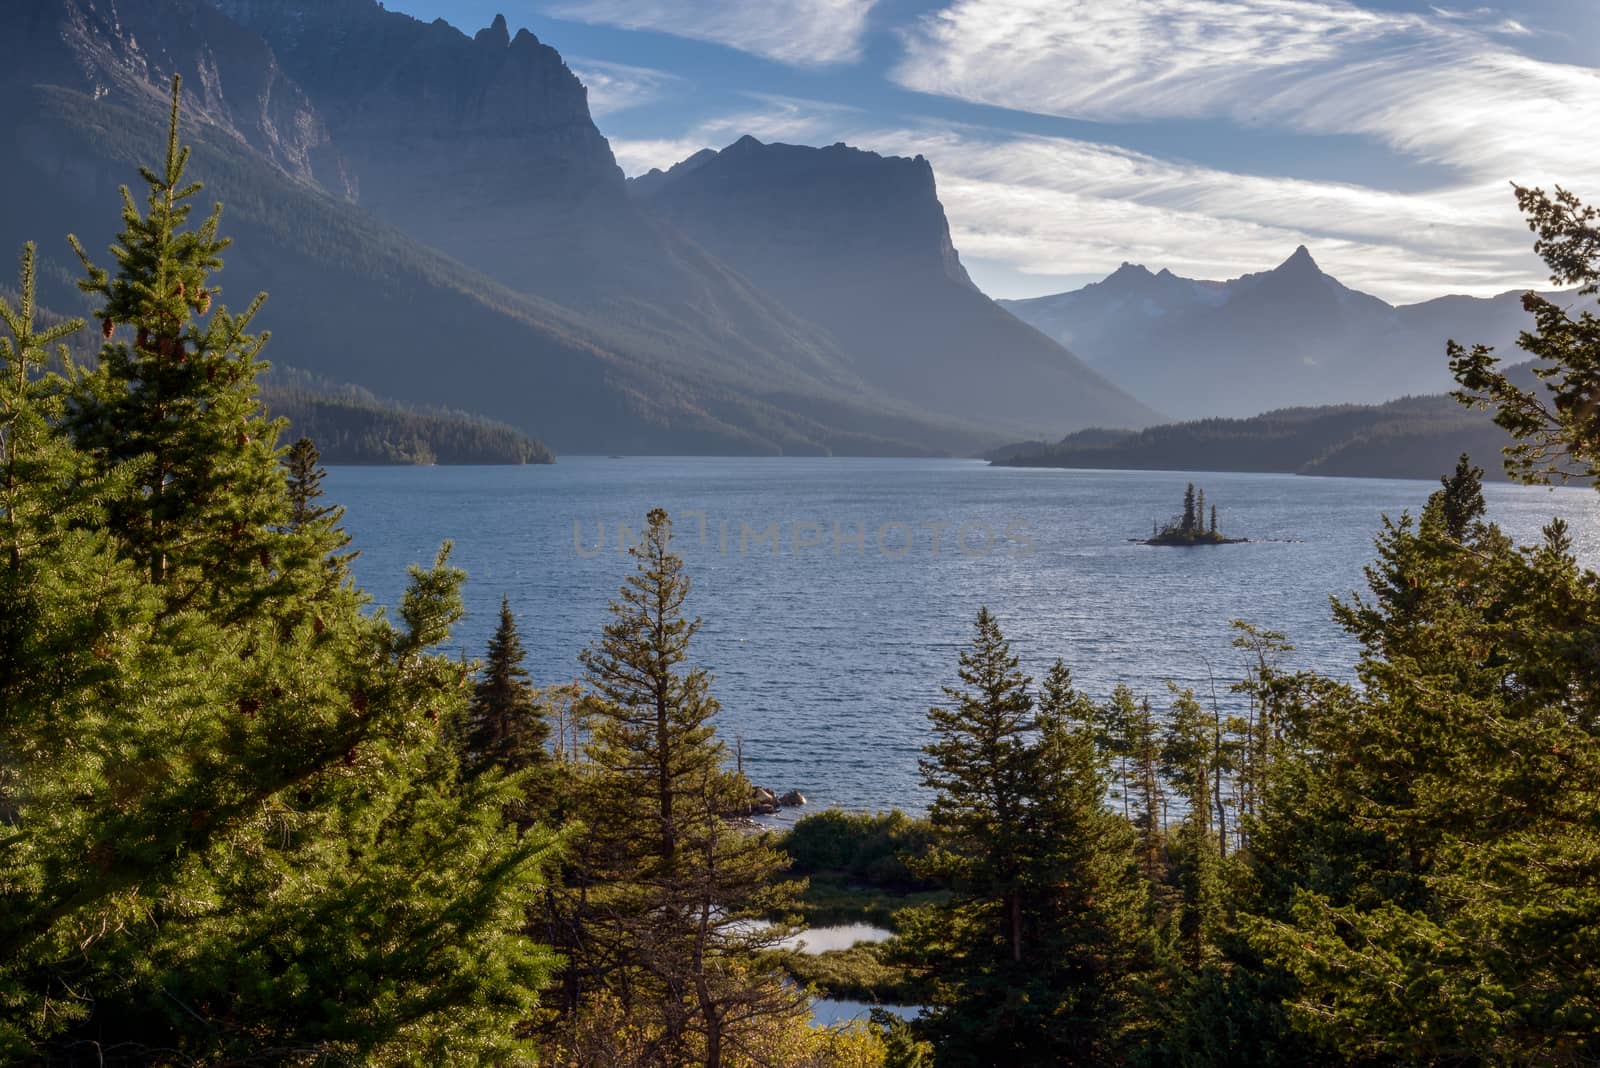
{"type": "Point", "coordinates": [1290, 336]}
{"type": "Point", "coordinates": [437, 218]}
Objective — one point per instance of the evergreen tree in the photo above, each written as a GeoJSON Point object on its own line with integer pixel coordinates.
{"type": "Point", "coordinates": [1087, 901]}
{"type": "Point", "coordinates": [236, 831]}
{"type": "Point", "coordinates": [506, 727]}
{"type": "Point", "coordinates": [666, 886]}
{"type": "Point", "coordinates": [1028, 957]}
{"type": "Point", "coordinates": [1462, 500]}
{"type": "Point", "coordinates": [1149, 790]}
{"type": "Point", "coordinates": [205, 514]}
{"type": "Point", "coordinates": [1427, 854]}
{"type": "Point", "coordinates": [1199, 511]}
{"type": "Point", "coordinates": [1557, 426]}
{"type": "Point", "coordinates": [305, 484]}
{"type": "Point", "coordinates": [1188, 523]}
{"type": "Point", "coordinates": [1213, 519]}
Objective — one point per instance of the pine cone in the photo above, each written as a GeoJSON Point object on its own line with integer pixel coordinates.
{"type": "Point", "coordinates": [107, 328]}
{"type": "Point", "coordinates": [181, 294]}
{"type": "Point", "coordinates": [249, 706]}
{"type": "Point", "coordinates": [202, 303]}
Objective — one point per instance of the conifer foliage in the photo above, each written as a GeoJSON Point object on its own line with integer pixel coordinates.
{"type": "Point", "coordinates": [1030, 960]}
{"type": "Point", "coordinates": [668, 888]}
{"type": "Point", "coordinates": [506, 726]}
{"type": "Point", "coordinates": [233, 829]}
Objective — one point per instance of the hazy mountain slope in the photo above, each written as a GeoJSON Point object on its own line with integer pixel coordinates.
{"type": "Point", "coordinates": [859, 244]}
{"type": "Point", "coordinates": [354, 298]}
{"type": "Point", "coordinates": [484, 147]}
{"type": "Point", "coordinates": [1293, 335]}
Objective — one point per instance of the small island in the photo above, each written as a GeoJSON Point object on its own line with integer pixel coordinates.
{"type": "Point", "coordinates": [1190, 528]}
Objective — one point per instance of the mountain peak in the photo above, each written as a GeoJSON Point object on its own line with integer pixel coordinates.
{"type": "Point", "coordinates": [496, 33]}
{"type": "Point", "coordinates": [1129, 272]}
{"type": "Point", "coordinates": [1300, 261]}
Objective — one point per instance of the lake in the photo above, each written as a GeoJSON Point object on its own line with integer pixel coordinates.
{"type": "Point", "coordinates": [835, 593]}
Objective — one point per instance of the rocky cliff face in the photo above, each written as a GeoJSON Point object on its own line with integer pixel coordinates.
{"type": "Point", "coordinates": [809, 211]}
{"type": "Point", "coordinates": [126, 51]}
{"type": "Point", "coordinates": [483, 147]}
{"type": "Point", "coordinates": [422, 110]}
{"type": "Point", "coordinates": [859, 243]}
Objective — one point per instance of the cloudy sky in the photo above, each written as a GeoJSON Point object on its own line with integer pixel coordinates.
{"type": "Point", "coordinates": [1068, 136]}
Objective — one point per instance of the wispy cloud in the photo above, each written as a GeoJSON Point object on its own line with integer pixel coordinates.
{"type": "Point", "coordinates": [1437, 88]}
{"type": "Point", "coordinates": [1059, 207]}
{"type": "Point", "coordinates": [615, 87]}
{"type": "Point", "coordinates": [805, 33]}
{"type": "Point", "coordinates": [770, 117]}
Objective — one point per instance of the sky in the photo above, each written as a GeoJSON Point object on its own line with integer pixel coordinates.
{"type": "Point", "coordinates": [1209, 137]}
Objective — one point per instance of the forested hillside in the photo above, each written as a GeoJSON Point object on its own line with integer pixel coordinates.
{"type": "Point", "coordinates": [351, 425]}
{"type": "Point", "coordinates": [1413, 437]}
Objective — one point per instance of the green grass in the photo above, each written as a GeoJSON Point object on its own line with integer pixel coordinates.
{"type": "Point", "coordinates": [835, 898]}
{"type": "Point", "coordinates": [860, 973]}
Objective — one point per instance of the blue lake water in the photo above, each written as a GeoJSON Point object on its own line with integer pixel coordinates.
{"type": "Point", "coordinates": [828, 648]}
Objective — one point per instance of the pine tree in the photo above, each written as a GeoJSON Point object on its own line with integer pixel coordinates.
{"type": "Point", "coordinates": [978, 765]}
{"type": "Point", "coordinates": [1199, 511]}
{"type": "Point", "coordinates": [1213, 519]}
{"type": "Point", "coordinates": [1087, 900]}
{"type": "Point", "coordinates": [206, 515]}
{"type": "Point", "coordinates": [305, 484]}
{"type": "Point", "coordinates": [506, 727]}
{"type": "Point", "coordinates": [1462, 500]}
{"type": "Point", "coordinates": [1188, 524]}
{"type": "Point", "coordinates": [666, 886]}
{"type": "Point", "coordinates": [237, 829]}
{"type": "Point", "coordinates": [1027, 957]}
{"type": "Point", "coordinates": [1427, 852]}
{"type": "Point", "coordinates": [1150, 810]}
{"type": "Point", "coordinates": [1556, 426]}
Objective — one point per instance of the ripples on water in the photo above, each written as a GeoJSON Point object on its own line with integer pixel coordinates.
{"type": "Point", "coordinates": [826, 662]}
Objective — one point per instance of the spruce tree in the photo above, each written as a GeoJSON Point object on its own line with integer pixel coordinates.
{"type": "Point", "coordinates": [1188, 510]}
{"type": "Point", "coordinates": [205, 517]}
{"type": "Point", "coordinates": [506, 726]}
{"type": "Point", "coordinates": [1426, 853]}
{"type": "Point", "coordinates": [1462, 499]}
{"type": "Point", "coordinates": [666, 888]}
{"type": "Point", "coordinates": [238, 833]}
{"type": "Point", "coordinates": [305, 484]}
{"type": "Point", "coordinates": [1088, 901]}
{"type": "Point", "coordinates": [1027, 958]}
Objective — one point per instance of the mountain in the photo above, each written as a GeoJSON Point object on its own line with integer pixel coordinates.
{"type": "Point", "coordinates": [704, 362]}
{"type": "Point", "coordinates": [1290, 336]}
{"type": "Point", "coordinates": [1413, 437]}
{"type": "Point", "coordinates": [859, 243]}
